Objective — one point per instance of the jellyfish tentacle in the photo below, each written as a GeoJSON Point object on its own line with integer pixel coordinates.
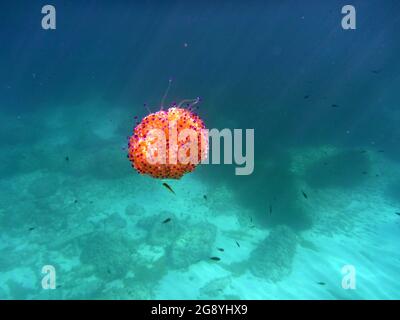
{"type": "Point", "coordinates": [190, 102]}
{"type": "Point", "coordinates": [147, 107]}
{"type": "Point", "coordinates": [166, 93]}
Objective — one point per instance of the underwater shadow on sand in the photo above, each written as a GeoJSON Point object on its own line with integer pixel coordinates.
{"type": "Point", "coordinates": [272, 192]}
{"type": "Point", "coordinates": [345, 169]}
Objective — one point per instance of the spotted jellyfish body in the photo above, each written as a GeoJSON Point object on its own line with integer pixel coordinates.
{"type": "Point", "coordinates": [141, 143]}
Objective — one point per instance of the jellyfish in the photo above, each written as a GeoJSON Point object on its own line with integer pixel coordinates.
{"type": "Point", "coordinates": [170, 142]}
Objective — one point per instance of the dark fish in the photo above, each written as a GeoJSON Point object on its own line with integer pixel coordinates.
{"type": "Point", "coordinates": [376, 71]}
{"type": "Point", "coordinates": [67, 158]}
{"type": "Point", "coordinates": [398, 213]}
{"type": "Point", "coordinates": [205, 197]}
{"type": "Point", "coordinates": [363, 151]}
{"type": "Point", "coordinates": [364, 172]}
{"type": "Point", "coordinates": [334, 106]}
{"type": "Point", "coordinates": [237, 243]}
{"type": "Point", "coordinates": [252, 227]}
{"type": "Point", "coordinates": [215, 258]}
{"type": "Point", "coordinates": [270, 209]}
{"type": "Point", "coordinates": [304, 194]}
{"type": "Point", "coordinates": [168, 187]}
{"type": "Point", "coordinates": [76, 201]}
{"type": "Point", "coordinates": [306, 97]}
{"type": "Point", "coordinates": [221, 249]}
{"type": "Point", "coordinates": [31, 228]}
{"type": "Point", "coordinates": [321, 283]}
{"type": "Point", "coordinates": [381, 151]}
{"type": "Point", "coordinates": [167, 220]}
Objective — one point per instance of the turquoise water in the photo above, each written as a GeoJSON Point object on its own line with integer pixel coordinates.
{"type": "Point", "coordinates": [325, 191]}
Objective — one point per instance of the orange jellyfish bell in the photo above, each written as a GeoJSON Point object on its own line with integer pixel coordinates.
{"type": "Point", "coordinates": [169, 143]}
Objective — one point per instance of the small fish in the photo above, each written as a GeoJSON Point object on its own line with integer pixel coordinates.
{"type": "Point", "coordinates": [306, 96]}
{"type": "Point", "coordinates": [205, 197]}
{"type": "Point", "coordinates": [381, 151]}
{"type": "Point", "coordinates": [376, 71]}
{"type": "Point", "coordinates": [67, 158]}
{"type": "Point", "coordinates": [304, 194]}
{"type": "Point", "coordinates": [31, 228]}
{"type": "Point", "coordinates": [364, 172]}
{"type": "Point", "coordinates": [252, 227]}
{"type": "Point", "coordinates": [237, 243]}
{"type": "Point", "coordinates": [321, 283]}
{"type": "Point", "coordinates": [334, 106]}
{"type": "Point", "coordinates": [76, 201]}
{"type": "Point", "coordinates": [363, 151]}
{"type": "Point", "coordinates": [168, 187]}
{"type": "Point", "coordinates": [215, 258]}
{"type": "Point", "coordinates": [167, 220]}
{"type": "Point", "coordinates": [221, 249]}
{"type": "Point", "coordinates": [398, 213]}
{"type": "Point", "coordinates": [270, 209]}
